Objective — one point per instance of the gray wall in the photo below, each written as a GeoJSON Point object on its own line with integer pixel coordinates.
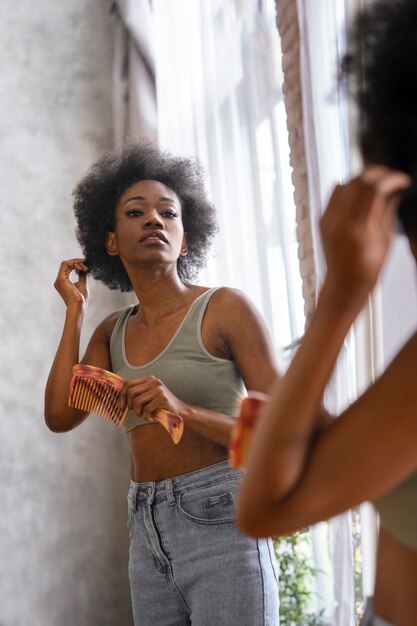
{"type": "Point", "coordinates": [63, 541]}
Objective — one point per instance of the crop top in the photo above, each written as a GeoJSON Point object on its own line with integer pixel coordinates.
{"type": "Point", "coordinates": [185, 366]}
{"type": "Point", "coordinates": [398, 511]}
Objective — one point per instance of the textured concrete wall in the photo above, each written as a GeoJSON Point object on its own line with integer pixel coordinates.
{"type": "Point", "coordinates": [63, 543]}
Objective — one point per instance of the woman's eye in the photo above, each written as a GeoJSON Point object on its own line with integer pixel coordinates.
{"type": "Point", "coordinates": [134, 213]}
{"type": "Point", "coordinates": [169, 214]}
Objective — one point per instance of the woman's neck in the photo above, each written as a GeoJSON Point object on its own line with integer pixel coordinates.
{"type": "Point", "coordinates": [159, 294]}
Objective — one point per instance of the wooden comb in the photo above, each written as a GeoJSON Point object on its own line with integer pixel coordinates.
{"type": "Point", "coordinates": [96, 390]}
{"type": "Point", "coordinates": [250, 410]}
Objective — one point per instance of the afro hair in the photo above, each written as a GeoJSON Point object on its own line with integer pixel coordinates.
{"type": "Point", "coordinates": [98, 192]}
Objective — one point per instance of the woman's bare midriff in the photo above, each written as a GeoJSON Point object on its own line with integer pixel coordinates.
{"type": "Point", "coordinates": [155, 457]}
{"type": "Point", "coordinates": [396, 586]}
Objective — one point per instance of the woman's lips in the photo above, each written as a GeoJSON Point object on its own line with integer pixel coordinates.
{"type": "Point", "coordinates": [153, 237]}
{"type": "Point", "coordinates": [152, 241]}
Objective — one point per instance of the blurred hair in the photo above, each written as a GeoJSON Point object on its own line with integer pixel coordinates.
{"type": "Point", "coordinates": [380, 70]}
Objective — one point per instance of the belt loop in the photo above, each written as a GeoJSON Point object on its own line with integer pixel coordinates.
{"type": "Point", "coordinates": [134, 497]}
{"type": "Point", "coordinates": [170, 492]}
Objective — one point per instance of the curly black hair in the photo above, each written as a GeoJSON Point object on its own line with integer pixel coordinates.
{"type": "Point", "coordinates": [98, 192]}
{"type": "Point", "coordinates": [380, 70]}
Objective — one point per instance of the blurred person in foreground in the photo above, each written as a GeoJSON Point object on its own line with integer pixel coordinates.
{"type": "Point", "coordinates": [300, 471]}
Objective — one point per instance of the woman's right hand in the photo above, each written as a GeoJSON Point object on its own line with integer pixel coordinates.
{"type": "Point", "coordinates": [72, 292]}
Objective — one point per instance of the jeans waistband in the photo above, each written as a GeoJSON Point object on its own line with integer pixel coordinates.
{"type": "Point", "coordinates": [167, 489]}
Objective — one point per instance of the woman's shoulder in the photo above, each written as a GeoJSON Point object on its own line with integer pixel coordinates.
{"type": "Point", "coordinates": [230, 299]}
{"type": "Point", "coordinates": [217, 294]}
{"type": "Point", "coordinates": [105, 328]}
{"type": "Point", "coordinates": [228, 305]}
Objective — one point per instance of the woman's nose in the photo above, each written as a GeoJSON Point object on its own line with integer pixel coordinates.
{"type": "Point", "coordinates": [153, 221]}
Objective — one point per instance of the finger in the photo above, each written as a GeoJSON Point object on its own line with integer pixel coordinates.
{"type": "Point", "coordinates": [374, 174]}
{"type": "Point", "coordinates": [141, 385]}
{"type": "Point", "coordinates": [387, 183]}
{"type": "Point", "coordinates": [72, 262]}
{"type": "Point", "coordinates": [141, 398]}
{"type": "Point", "coordinates": [134, 391]}
{"type": "Point", "coordinates": [122, 397]}
{"type": "Point", "coordinates": [138, 386]}
{"type": "Point", "coordinates": [348, 202]}
{"type": "Point", "coordinates": [394, 184]}
{"type": "Point", "coordinates": [152, 406]}
{"type": "Point", "coordinates": [82, 277]}
{"type": "Point", "coordinates": [389, 189]}
{"type": "Point", "coordinates": [140, 406]}
{"type": "Point", "coordinates": [133, 398]}
{"type": "Point", "coordinates": [67, 267]}
{"type": "Point", "coordinates": [149, 401]}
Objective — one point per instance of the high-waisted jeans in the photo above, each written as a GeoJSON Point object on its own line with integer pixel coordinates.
{"type": "Point", "coordinates": [188, 562]}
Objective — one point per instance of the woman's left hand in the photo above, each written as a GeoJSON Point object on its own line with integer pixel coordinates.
{"type": "Point", "coordinates": [147, 394]}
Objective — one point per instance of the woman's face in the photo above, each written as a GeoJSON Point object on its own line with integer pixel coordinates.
{"type": "Point", "coordinates": [148, 226]}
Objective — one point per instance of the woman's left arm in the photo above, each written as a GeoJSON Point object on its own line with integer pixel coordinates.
{"type": "Point", "coordinates": [247, 343]}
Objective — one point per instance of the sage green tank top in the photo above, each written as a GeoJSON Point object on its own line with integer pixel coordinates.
{"type": "Point", "coordinates": [398, 511]}
{"type": "Point", "coordinates": [185, 366]}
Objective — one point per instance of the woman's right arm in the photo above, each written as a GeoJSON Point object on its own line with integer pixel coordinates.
{"type": "Point", "coordinates": [59, 417]}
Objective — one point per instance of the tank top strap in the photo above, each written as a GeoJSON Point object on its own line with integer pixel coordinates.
{"type": "Point", "coordinates": [194, 317]}
{"type": "Point", "coordinates": [116, 339]}
{"type": "Point", "coordinates": [189, 330]}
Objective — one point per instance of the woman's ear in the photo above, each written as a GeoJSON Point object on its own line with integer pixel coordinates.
{"type": "Point", "coordinates": [111, 244]}
{"type": "Point", "coordinates": [184, 246]}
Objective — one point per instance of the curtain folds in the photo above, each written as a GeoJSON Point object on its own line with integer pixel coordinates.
{"type": "Point", "coordinates": [312, 36]}
{"type": "Point", "coordinates": [134, 82]}
{"type": "Point", "coordinates": [220, 99]}
{"type": "Point", "coordinates": [213, 69]}
{"type": "Point", "coordinates": [330, 157]}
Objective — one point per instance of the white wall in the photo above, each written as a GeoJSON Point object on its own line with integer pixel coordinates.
{"type": "Point", "coordinates": [63, 543]}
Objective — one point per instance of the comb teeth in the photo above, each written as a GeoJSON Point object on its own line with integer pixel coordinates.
{"type": "Point", "coordinates": [97, 391]}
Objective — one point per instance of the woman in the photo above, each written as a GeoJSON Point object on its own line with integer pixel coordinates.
{"type": "Point", "coordinates": [298, 471]}
{"type": "Point", "coordinates": [144, 224]}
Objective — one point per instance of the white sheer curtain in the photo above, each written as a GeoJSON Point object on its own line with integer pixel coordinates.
{"type": "Point", "coordinates": [331, 158]}
{"type": "Point", "coordinates": [220, 99]}
{"type": "Point", "coordinates": [218, 79]}
{"type": "Point", "coordinates": [321, 38]}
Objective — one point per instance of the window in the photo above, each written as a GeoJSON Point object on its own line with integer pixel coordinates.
{"type": "Point", "coordinates": [220, 98]}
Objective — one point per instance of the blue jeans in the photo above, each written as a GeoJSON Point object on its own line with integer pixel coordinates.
{"type": "Point", "coordinates": [189, 564]}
